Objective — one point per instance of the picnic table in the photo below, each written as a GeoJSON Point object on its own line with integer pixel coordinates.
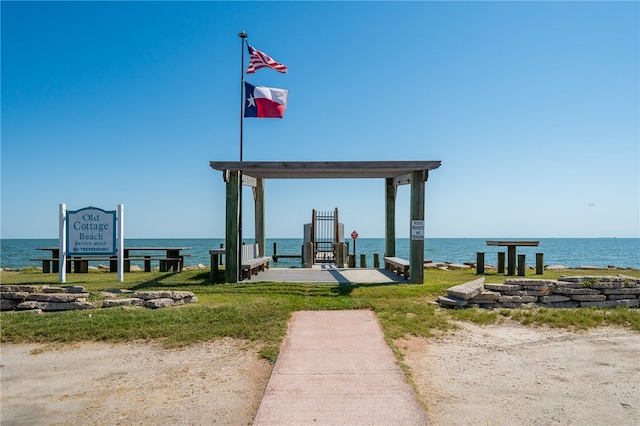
{"type": "Point", "coordinates": [173, 259]}
{"type": "Point", "coordinates": [511, 251]}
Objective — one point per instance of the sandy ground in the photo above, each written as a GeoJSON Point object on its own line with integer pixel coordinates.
{"type": "Point", "coordinates": [494, 375]}
{"type": "Point", "coordinates": [513, 375]}
{"type": "Point", "coordinates": [219, 382]}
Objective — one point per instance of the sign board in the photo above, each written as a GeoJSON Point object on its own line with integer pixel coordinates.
{"type": "Point", "coordinates": [354, 235]}
{"type": "Point", "coordinates": [417, 230]}
{"type": "Point", "coordinates": [91, 231]}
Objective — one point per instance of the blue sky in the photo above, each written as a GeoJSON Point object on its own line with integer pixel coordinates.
{"type": "Point", "coordinates": [532, 107]}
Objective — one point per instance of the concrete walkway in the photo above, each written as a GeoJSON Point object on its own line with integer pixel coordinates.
{"type": "Point", "coordinates": [335, 368]}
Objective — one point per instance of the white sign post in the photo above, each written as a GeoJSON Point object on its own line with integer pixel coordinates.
{"type": "Point", "coordinates": [62, 264]}
{"type": "Point", "coordinates": [417, 230]}
{"type": "Point", "coordinates": [120, 242]}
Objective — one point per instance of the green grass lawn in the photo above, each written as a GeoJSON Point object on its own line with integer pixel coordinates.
{"type": "Point", "coordinates": [260, 311]}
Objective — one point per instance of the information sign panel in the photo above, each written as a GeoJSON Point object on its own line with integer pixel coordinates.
{"type": "Point", "coordinates": [417, 230]}
{"type": "Point", "coordinates": [91, 231]}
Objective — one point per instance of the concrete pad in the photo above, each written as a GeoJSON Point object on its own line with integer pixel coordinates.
{"type": "Point", "coordinates": [335, 368]}
{"type": "Point", "coordinates": [328, 274]}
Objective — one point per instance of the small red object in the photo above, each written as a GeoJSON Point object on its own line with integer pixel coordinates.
{"type": "Point", "coordinates": [354, 235]}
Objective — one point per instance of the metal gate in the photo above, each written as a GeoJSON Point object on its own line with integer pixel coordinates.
{"type": "Point", "coordinates": [324, 235]}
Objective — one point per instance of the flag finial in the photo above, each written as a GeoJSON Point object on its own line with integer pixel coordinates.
{"type": "Point", "coordinates": [242, 34]}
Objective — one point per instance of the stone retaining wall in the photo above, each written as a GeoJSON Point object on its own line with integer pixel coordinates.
{"type": "Point", "coordinates": [38, 299]}
{"type": "Point", "coordinates": [565, 292]}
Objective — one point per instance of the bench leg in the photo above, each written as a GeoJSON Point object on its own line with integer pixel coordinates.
{"type": "Point", "coordinates": [46, 267]}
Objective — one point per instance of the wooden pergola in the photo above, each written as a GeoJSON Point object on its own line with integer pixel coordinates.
{"type": "Point", "coordinates": [253, 174]}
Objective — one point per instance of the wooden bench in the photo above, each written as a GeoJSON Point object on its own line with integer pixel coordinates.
{"type": "Point", "coordinates": [397, 265]}
{"type": "Point", "coordinates": [252, 263]}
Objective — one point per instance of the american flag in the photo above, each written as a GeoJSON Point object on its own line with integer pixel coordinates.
{"type": "Point", "coordinates": [258, 59]}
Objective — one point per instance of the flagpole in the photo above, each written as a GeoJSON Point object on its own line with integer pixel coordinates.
{"type": "Point", "coordinates": [243, 37]}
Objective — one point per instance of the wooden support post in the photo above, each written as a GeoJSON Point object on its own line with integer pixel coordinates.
{"type": "Point", "coordinates": [521, 265]}
{"type": "Point", "coordinates": [309, 254]}
{"type": "Point", "coordinates": [480, 263]}
{"type": "Point", "coordinates": [363, 260]}
{"type": "Point", "coordinates": [215, 259]}
{"type": "Point", "coordinates": [341, 254]}
{"type": "Point", "coordinates": [539, 263]}
{"type": "Point", "coordinates": [232, 227]}
{"type": "Point", "coordinates": [390, 218]}
{"type": "Point", "coordinates": [501, 262]}
{"type": "Point", "coordinates": [511, 261]}
{"type": "Point", "coordinates": [275, 252]}
{"type": "Point", "coordinates": [416, 246]}
{"type": "Point", "coordinates": [376, 260]}
{"type": "Point", "coordinates": [258, 198]}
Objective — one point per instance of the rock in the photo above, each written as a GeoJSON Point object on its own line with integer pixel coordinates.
{"type": "Point", "coordinates": [467, 290]}
{"type": "Point", "coordinates": [57, 297]}
{"type": "Point", "coordinates": [18, 288]}
{"type": "Point", "coordinates": [486, 297]}
{"type": "Point", "coordinates": [536, 291]}
{"type": "Point", "coordinates": [570, 290]}
{"type": "Point", "coordinates": [451, 301]}
{"type": "Point", "coordinates": [103, 267]}
{"type": "Point", "coordinates": [518, 299]}
{"type": "Point", "coordinates": [193, 299]}
{"type": "Point", "coordinates": [516, 305]}
{"type": "Point", "coordinates": [514, 293]}
{"type": "Point", "coordinates": [502, 287]}
{"type": "Point", "coordinates": [135, 268]}
{"type": "Point", "coordinates": [530, 282]}
{"type": "Point", "coordinates": [148, 295]}
{"type": "Point", "coordinates": [588, 297]}
{"type": "Point", "coordinates": [15, 295]}
{"type": "Point", "coordinates": [54, 306]}
{"type": "Point", "coordinates": [28, 305]}
{"type": "Point", "coordinates": [619, 296]}
{"type": "Point", "coordinates": [159, 303]}
{"type": "Point", "coordinates": [8, 304]}
{"type": "Point", "coordinates": [628, 290]}
{"type": "Point", "coordinates": [630, 281]}
{"type": "Point", "coordinates": [589, 267]}
{"type": "Point", "coordinates": [175, 295]}
{"type": "Point", "coordinates": [554, 298]}
{"type": "Point", "coordinates": [566, 305]}
{"type": "Point", "coordinates": [454, 266]}
{"type": "Point", "coordinates": [65, 289]}
{"type": "Point", "coordinates": [629, 303]}
{"type": "Point", "coordinates": [131, 301]}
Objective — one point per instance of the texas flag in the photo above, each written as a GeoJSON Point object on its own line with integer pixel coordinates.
{"type": "Point", "coordinates": [264, 102]}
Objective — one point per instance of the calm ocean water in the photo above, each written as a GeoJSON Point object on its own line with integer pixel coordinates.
{"type": "Point", "coordinates": [571, 252]}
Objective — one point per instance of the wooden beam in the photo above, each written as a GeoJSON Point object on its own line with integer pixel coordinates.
{"type": "Point", "coordinates": [249, 180]}
{"type": "Point", "coordinates": [402, 180]}
{"type": "Point", "coordinates": [325, 169]}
